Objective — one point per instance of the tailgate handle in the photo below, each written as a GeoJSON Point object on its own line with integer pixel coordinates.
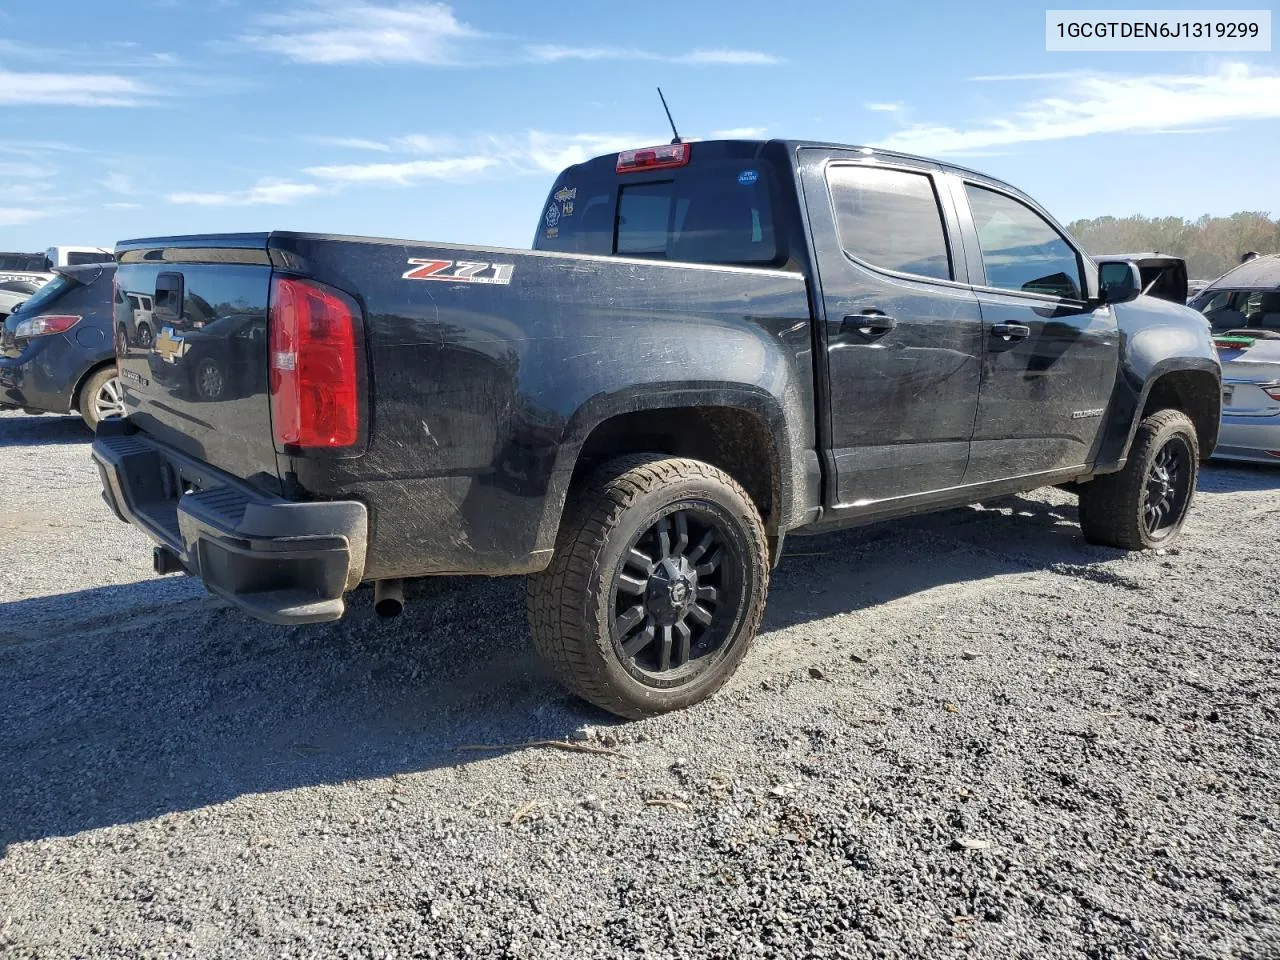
{"type": "Point", "coordinates": [167, 304]}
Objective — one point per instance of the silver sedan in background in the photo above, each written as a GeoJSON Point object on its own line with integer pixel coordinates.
{"type": "Point", "coordinates": [1243, 308]}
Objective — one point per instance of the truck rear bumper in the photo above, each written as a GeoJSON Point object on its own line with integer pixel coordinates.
{"type": "Point", "coordinates": [279, 561]}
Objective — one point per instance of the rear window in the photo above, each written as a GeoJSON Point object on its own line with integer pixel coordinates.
{"type": "Point", "coordinates": [75, 259]}
{"type": "Point", "coordinates": [719, 212]}
{"type": "Point", "coordinates": [47, 294]}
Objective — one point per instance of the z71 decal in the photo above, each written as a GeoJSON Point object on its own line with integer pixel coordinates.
{"type": "Point", "coordinates": [458, 271]}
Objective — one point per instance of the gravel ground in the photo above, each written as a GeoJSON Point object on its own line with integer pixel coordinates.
{"type": "Point", "coordinates": [965, 733]}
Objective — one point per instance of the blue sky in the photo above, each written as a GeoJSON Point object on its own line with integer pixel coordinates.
{"type": "Point", "coordinates": [437, 121]}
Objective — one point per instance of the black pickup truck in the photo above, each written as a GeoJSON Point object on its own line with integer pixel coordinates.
{"type": "Point", "coordinates": [711, 346]}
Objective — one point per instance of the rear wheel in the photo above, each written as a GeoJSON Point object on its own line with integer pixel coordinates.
{"type": "Point", "coordinates": [1145, 504]}
{"type": "Point", "coordinates": [657, 586]}
{"type": "Point", "coordinates": [101, 398]}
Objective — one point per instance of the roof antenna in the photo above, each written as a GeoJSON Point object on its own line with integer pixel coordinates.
{"type": "Point", "coordinates": [676, 138]}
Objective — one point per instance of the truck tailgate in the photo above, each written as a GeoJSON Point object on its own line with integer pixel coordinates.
{"type": "Point", "coordinates": [191, 335]}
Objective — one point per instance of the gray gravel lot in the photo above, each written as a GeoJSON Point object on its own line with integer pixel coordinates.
{"type": "Point", "coordinates": [965, 733]}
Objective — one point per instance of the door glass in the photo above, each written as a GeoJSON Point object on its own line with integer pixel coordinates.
{"type": "Point", "coordinates": [890, 219]}
{"type": "Point", "coordinates": [1020, 249]}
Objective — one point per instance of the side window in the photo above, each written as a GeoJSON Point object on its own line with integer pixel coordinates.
{"type": "Point", "coordinates": [890, 219]}
{"type": "Point", "coordinates": [1020, 250]}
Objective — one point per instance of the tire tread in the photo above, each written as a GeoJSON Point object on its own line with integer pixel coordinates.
{"type": "Point", "coordinates": [1111, 505]}
{"type": "Point", "coordinates": [557, 597]}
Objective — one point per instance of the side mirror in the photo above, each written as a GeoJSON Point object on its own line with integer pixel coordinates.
{"type": "Point", "coordinates": [1119, 281]}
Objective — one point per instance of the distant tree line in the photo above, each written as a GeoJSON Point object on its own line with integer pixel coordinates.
{"type": "Point", "coordinates": [1211, 245]}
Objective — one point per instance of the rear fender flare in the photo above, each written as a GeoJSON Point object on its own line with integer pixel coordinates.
{"type": "Point", "coordinates": [605, 406]}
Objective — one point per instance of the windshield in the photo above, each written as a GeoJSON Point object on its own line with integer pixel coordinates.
{"type": "Point", "coordinates": [50, 292]}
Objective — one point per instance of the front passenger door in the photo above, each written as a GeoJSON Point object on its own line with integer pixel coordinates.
{"type": "Point", "coordinates": [1049, 355]}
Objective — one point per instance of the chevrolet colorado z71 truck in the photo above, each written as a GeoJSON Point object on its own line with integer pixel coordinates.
{"type": "Point", "coordinates": [711, 346]}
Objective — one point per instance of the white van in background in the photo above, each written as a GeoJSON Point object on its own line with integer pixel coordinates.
{"type": "Point", "coordinates": [76, 256]}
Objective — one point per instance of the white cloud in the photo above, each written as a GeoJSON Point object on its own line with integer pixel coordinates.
{"type": "Point", "coordinates": [427, 143]}
{"type": "Point", "coordinates": [13, 216]}
{"type": "Point", "coordinates": [23, 171]}
{"type": "Point", "coordinates": [351, 143]}
{"type": "Point", "coordinates": [35, 148]}
{"type": "Point", "coordinates": [741, 57]}
{"type": "Point", "coordinates": [884, 107]}
{"type": "Point", "coordinates": [552, 152]}
{"type": "Point", "coordinates": [332, 31]}
{"type": "Point", "coordinates": [411, 171]}
{"type": "Point", "coordinates": [264, 193]}
{"type": "Point", "coordinates": [739, 133]}
{"type": "Point", "coordinates": [118, 182]}
{"type": "Point", "coordinates": [71, 89]}
{"type": "Point", "coordinates": [122, 206]}
{"type": "Point", "coordinates": [553, 53]}
{"type": "Point", "coordinates": [417, 32]}
{"type": "Point", "coordinates": [1084, 105]}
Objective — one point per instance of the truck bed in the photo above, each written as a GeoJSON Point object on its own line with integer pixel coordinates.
{"type": "Point", "coordinates": [487, 368]}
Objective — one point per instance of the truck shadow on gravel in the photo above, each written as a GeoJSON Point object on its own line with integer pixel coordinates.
{"type": "Point", "coordinates": [47, 430]}
{"type": "Point", "coordinates": [1224, 477]}
{"type": "Point", "coordinates": [123, 703]}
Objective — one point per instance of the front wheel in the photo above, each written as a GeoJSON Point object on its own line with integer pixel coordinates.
{"type": "Point", "coordinates": [1145, 504]}
{"type": "Point", "coordinates": [657, 586]}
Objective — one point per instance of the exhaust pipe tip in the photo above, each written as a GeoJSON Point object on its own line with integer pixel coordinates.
{"type": "Point", "coordinates": [388, 598]}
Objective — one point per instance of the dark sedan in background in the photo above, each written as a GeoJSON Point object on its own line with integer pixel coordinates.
{"type": "Point", "coordinates": [57, 351]}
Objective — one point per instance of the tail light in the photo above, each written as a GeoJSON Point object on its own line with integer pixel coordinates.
{"type": "Point", "coordinates": [45, 326]}
{"type": "Point", "coordinates": [315, 381]}
{"type": "Point", "coordinates": [653, 158]}
{"type": "Point", "coordinates": [1272, 390]}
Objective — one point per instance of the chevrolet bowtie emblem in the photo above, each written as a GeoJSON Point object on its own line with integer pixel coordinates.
{"type": "Point", "coordinates": [168, 346]}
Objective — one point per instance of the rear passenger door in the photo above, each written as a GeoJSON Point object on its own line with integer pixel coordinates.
{"type": "Point", "coordinates": [900, 328]}
{"type": "Point", "coordinates": [1049, 353]}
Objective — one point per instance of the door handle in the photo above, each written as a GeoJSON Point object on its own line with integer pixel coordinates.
{"type": "Point", "coordinates": [1011, 331]}
{"type": "Point", "coordinates": [870, 325]}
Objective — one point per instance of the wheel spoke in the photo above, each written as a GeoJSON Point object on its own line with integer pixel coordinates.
{"type": "Point", "coordinates": [640, 640]}
{"type": "Point", "coordinates": [664, 658]}
{"type": "Point", "coordinates": [708, 568]}
{"type": "Point", "coordinates": [627, 621]}
{"type": "Point", "coordinates": [708, 593]}
{"type": "Point", "coordinates": [703, 546]}
{"type": "Point", "coordinates": [663, 531]}
{"type": "Point", "coordinates": [682, 533]}
{"type": "Point", "coordinates": [700, 614]}
{"type": "Point", "coordinates": [633, 586]}
{"type": "Point", "coordinates": [639, 561]}
{"type": "Point", "coordinates": [684, 638]}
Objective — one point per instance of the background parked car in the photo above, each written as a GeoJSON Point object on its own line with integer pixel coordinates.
{"type": "Point", "coordinates": [65, 256]}
{"type": "Point", "coordinates": [1245, 298]}
{"type": "Point", "coordinates": [1163, 276]}
{"type": "Point", "coordinates": [1243, 308]}
{"type": "Point", "coordinates": [14, 292]}
{"type": "Point", "coordinates": [57, 353]}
